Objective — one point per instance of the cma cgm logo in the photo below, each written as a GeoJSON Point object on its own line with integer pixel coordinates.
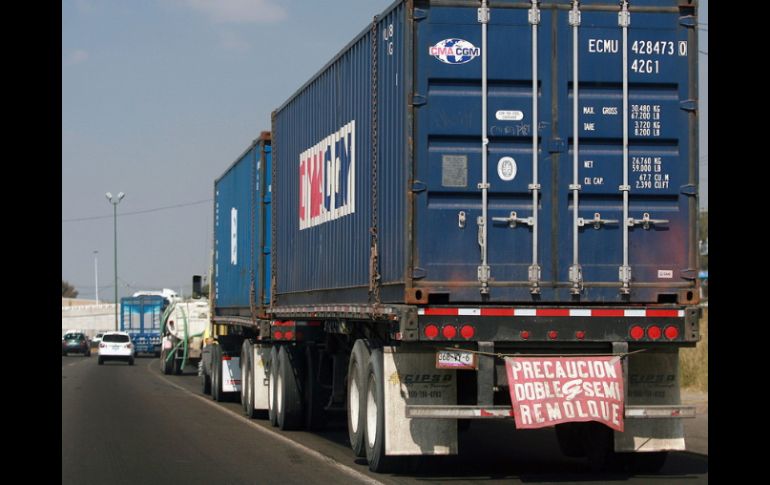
{"type": "Point", "coordinates": [327, 178]}
{"type": "Point", "coordinates": [454, 51]}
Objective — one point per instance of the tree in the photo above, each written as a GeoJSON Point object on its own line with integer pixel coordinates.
{"type": "Point", "coordinates": [67, 290]}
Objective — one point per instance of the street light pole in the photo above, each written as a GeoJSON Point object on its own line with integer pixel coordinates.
{"type": "Point", "coordinates": [115, 203]}
{"type": "Point", "coordinates": [96, 275]}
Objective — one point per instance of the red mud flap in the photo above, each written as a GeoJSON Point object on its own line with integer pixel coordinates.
{"type": "Point", "coordinates": [546, 391]}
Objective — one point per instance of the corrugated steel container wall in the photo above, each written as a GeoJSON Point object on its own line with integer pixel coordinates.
{"type": "Point", "coordinates": [233, 234]}
{"type": "Point", "coordinates": [393, 164]}
{"type": "Point", "coordinates": [429, 159]}
{"type": "Point", "coordinates": [332, 111]}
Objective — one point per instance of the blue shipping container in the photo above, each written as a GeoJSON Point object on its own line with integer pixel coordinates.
{"type": "Point", "coordinates": [241, 232]}
{"type": "Point", "coordinates": [389, 176]}
{"type": "Point", "coordinates": [140, 318]}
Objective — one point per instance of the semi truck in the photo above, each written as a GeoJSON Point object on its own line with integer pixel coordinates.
{"type": "Point", "coordinates": [475, 210]}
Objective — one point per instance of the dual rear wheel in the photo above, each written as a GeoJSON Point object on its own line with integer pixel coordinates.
{"type": "Point", "coordinates": [366, 407]}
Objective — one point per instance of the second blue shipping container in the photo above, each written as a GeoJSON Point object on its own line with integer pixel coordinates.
{"type": "Point", "coordinates": [242, 218]}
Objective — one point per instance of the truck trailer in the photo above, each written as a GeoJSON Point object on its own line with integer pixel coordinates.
{"type": "Point", "coordinates": [140, 317]}
{"type": "Point", "coordinates": [476, 210]}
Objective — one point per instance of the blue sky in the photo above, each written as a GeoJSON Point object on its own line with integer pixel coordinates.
{"type": "Point", "coordinates": [159, 97]}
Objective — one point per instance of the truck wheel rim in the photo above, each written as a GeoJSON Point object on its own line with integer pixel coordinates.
{"type": "Point", "coordinates": [279, 396]}
{"type": "Point", "coordinates": [354, 401]}
{"type": "Point", "coordinates": [371, 413]}
{"type": "Point", "coordinates": [271, 389]}
{"type": "Point", "coordinates": [246, 389]}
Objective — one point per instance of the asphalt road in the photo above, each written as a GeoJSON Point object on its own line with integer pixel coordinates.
{"type": "Point", "coordinates": [123, 424]}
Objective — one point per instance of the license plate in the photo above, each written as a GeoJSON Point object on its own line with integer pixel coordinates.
{"type": "Point", "coordinates": [456, 359]}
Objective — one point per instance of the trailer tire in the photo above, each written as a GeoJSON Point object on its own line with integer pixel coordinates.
{"type": "Point", "coordinates": [288, 396]}
{"type": "Point", "coordinates": [356, 395]}
{"type": "Point", "coordinates": [216, 373]}
{"type": "Point", "coordinates": [272, 380]}
{"type": "Point", "coordinates": [165, 365]}
{"type": "Point", "coordinates": [315, 417]}
{"type": "Point", "coordinates": [375, 416]}
{"type": "Point", "coordinates": [176, 366]}
{"type": "Point", "coordinates": [648, 462]}
{"type": "Point", "coordinates": [598, 443]}
{"type": "Point", "coordinates": [568, 436]}
{"type": "Point", "coordinates": [247, 380]}
{"type": "Point", "coordinates": [205, 382]}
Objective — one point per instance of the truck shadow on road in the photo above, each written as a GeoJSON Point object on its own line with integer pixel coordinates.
{"type": "Point", "coordinates": [495, 451]}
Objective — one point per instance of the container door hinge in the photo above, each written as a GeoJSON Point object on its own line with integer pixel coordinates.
{"type": "Point", "coordinates": [419, 14]}
{"type": "Point", "coordinates": [419, 100]}
{"type": "Point", "coordinates": [556, 145]}
{"type": "Point", "coordinates": [689, 189]}
{"type": "Point", "coordinates": [418, 186]}
{"type": "Point", "coordinates": [687, 21]}
{"type": "Point", "coordinates": [419, 273]}
{"type": "Point", "coordinates": [689, 274]}
{"type": "Point", "coordinates": [688, 105]}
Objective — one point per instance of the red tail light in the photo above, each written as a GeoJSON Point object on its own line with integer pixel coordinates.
{"type": "Point", "coordinates": [128, 346]}
{"type": "Point", "coordinates": [288, 335]}
{"type": "Point", "coordinates": [449, 331]}
{"type": "Point", "coordinates": [637, 332]}
{"type": "Point", "coordinates": [278, 335]}
{"type": "Point", "coordinates": [431, 331]}
{"type": "Point", "coordinates": [654, 332]}
{"type": "Point", "coordinates": [580, 335]}
{"type": "Point", "coordinates": [671, 332]}
{"type": "Point", "coordinates": [467, 332]}
{"type": "Point", "coordinates": [101, 345]}
{"type": "Point", "coordinates": [553, 334]}
{"type": "Point", "coordinates": [525, 334]}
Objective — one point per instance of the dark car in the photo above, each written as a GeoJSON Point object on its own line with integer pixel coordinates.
{"type": "Point", "coordinates": [75, 342]}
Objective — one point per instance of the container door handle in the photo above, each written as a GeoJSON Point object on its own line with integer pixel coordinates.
{"type": "Point", "coordinates": [597, 221]}
{"type": "Point", "coordinates": [512, 220]}
{"type": "Point", "coordinates": [645, 221]}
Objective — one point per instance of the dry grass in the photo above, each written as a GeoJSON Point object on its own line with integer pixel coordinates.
{"type": "Point", "coordinates": [693, 362]}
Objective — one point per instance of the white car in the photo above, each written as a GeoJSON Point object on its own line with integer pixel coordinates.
{"type": "Point", "coordinates": [116, 346]}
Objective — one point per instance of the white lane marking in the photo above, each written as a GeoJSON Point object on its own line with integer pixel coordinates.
{"type": "Point", "coordinates": [326, 459]}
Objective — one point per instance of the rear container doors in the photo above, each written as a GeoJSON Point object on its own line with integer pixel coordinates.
{"type": "Point", "coordinates": [533, 255]}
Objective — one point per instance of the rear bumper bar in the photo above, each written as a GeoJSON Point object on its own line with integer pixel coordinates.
{"type": "Point", "coordinates": [497, 412]}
